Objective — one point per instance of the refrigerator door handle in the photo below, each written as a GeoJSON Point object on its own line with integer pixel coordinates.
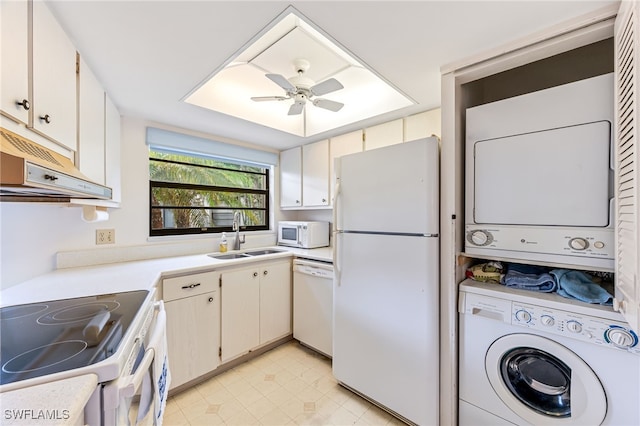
{"type": "Point", "coordinates": [336, 196]}
{"type": "Point", "coordinates": [336, 260]}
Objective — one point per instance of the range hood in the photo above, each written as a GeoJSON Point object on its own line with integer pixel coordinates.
{"type": "Point", "coordinates": [31, 172]}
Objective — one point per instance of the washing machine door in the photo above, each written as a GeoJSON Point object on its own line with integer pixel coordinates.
{"type": "Point", "coordinates": [543, 382]}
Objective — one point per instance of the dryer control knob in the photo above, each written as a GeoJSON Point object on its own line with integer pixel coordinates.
{"type": "Point", "coordinates": [547, 320]}
{"type": "Point", "coordinates": [574, 326]}
{"type": "Point", "coordinates": [479, 238]}
{"type": "Point", "coordinates": [578, 244]}
{"type": "Point", "coordinates": [523, 316]}
{"type": "Point", "coordinates": [621, 337]}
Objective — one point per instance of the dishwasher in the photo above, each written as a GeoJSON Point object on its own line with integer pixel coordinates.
{"type": "Point", "coordinates": [313, 304]}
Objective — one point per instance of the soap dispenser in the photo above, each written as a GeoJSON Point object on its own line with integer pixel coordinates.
{"type": "Point", "coordinates": [223, 243]}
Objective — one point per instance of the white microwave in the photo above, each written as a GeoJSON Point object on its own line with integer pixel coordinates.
{"type": "Point", "coordinates": [539, 176]}
{"type": "Point", "coordinates": [303, 234]}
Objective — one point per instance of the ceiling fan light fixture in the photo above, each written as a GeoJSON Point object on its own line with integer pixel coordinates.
{"type": "Point", "coordinates": [301, 88]}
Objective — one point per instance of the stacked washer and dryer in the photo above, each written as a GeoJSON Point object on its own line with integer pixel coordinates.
{"type": "Point", "coordinates": [539, 173]}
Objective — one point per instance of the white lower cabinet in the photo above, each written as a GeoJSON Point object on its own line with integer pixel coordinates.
{"type": "Point", "coordinates": [192, 303]}
{"type": "Point", "coordinates": [256, 307]}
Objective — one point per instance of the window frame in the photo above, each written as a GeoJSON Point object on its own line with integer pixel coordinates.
{"type": "Point", "coordinates": [266, 173]}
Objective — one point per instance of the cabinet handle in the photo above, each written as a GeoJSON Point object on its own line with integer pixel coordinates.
{"type": "Point", "coordinates": [210, 299]}
{"type": "Point", "coordinates": [297, 201]}
{"type": "Point", "coordinates": [185, 287]}
{"type": "Point", "coordinates": [24, 104]}
{"type": "Point", "coordinates": [46, 118]}
{"type": "Point", "coordinates": [255, 274]}
{"type": "Point", "coordinates": [324, 200]}
{"type": "Point", "coordinates": [265, 272]}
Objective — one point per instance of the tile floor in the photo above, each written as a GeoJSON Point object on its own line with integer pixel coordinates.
{"type": "Point", "coordinates": [289, 385]}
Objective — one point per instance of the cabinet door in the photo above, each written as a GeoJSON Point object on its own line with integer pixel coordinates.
{"type": "Point", "coordinates": [91, 116]}
{"type": "Point", "coordinates": [275, 301]}
{"type": "Point", "coordinates": [339, 146]}
{"type": "Point", "coordinates": [291, 177]}
{"type": "Point", "coordinates": [385, 134]}
{"type": "Point", "coordinates": [112, 149]}
{"type": "Point", "coordinates": [627, 176]}
{"type": "Point", "coordinates": [422, 125]}
{"type": "Point", "coordinates": [240, 296]}
{"type": "Point", "coordinates": [14, 60]}
{"type": "Point", "coordinates": [315, 174]}
{"type": "Point", "coordinates": [54, 79]}
{"type": "Point", "coordinates": [193, 336]}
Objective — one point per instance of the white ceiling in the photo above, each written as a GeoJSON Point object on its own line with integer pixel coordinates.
{"type": "Point", "coordinates": [150, 54]}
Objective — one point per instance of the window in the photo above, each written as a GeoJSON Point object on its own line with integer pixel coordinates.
{"type": "Point", "coordinates": [196, 194]}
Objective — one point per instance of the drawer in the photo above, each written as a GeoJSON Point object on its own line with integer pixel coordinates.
{"type": "Point", "coordinates": [189, 285]}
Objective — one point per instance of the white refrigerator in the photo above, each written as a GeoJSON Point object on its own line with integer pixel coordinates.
{"type": "Point", "coordinates": [386, 260]}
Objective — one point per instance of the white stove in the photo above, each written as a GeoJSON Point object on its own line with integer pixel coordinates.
{"type": "Point", "coordinates": [108, 335]}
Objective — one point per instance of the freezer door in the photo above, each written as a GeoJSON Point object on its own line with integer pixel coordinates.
{"type": "Point", "coordinates": [386, 321]}
{"type": "Point", "coordinates": [390, 189]}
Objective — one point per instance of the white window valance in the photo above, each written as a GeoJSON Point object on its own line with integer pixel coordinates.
{"type": "Point", "coordinates": [166, 139]}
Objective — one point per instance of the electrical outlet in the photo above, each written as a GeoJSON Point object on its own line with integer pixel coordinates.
{"type": "Point", "coordinates": [105, 236]}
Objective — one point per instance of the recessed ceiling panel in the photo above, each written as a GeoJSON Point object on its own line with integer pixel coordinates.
{"type": "Point", "coordinates": [279, 58]}
{"type": "Point", "coordinates": [289, 45]}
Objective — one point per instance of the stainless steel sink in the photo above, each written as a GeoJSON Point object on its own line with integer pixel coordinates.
{"type": "Point", "coordinates": [261, 252]}
{"type": "Point", "coordinates": [228, 256]}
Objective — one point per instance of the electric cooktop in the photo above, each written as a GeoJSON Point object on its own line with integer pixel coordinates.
{"type": "Point", "coordinates": [43, 338]}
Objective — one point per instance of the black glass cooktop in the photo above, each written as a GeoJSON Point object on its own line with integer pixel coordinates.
{"type": "Point", "coordinates": [50, 337]}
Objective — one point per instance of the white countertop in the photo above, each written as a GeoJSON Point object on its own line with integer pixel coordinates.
{"type": "Point", "coordinates": [130, 276]}
{"type": "Point", "coordinates": [56, 403]}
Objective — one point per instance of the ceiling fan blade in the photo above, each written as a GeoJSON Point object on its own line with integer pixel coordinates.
{"type": "Point", "coordinates": [327, 86]}
{"type": "Point", "coordinates": [328, 104]}
{"type": "Point", "coordinates": [282, 82]}
{"type": "Point", "coordinates": [296, 108]}
{"type": "Point", "coordinates": [269, 98]}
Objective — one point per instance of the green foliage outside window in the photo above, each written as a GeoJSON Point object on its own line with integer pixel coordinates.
{"type": "Point", "coordinates": [192, 194]}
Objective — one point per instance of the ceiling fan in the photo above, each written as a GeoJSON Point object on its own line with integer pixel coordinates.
{"type": "Point", "coordinates": [301, 88]}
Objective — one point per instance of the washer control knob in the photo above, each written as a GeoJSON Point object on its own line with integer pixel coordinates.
{"type": "Point", "coordinates": [523, 316]}
{"type": "Point", "coordinates": [547, 320]}
{"type": "Point", "coordinates": [578, 244]}
{"type": "Point", "coordinates": [598, 244]}
{"type": "Point", "coordinates": [574, 326]}
{"type": "Point", "coordinates": [479, 237]}
{"type": "Point", "coordinates": [621, 337]}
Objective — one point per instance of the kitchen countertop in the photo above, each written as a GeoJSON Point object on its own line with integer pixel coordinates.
{"type": "Point", "coordinates": [67, 398]}
{"type": "Point", "coordinates": [134, 275]}
{"type": "Point", "coordinates": [57, 403]}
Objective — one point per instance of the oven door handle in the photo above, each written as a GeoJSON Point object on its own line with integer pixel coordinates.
{"type": "Point", "coordinates": [135, 380]}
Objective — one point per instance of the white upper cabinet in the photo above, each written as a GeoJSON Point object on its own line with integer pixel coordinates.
{"type": "Point", "coordinates": [627, 175]}
{"type": "Point", "coordinates": [349, 143]}
{"type": "Point", "coordinates": [112, 149]}
{"type": "Point", "coordinates": [315, 174]}
{"type": "Point", "coordinates": [422, 125]}
{"type": "Point", "coordinates": [54, 79]}
{"type": "Point", "coordinates": [91, 125]}
{"type": "Point", "coordinates": [385, 134]}
{"type": "Point", "coordinates": [14, 63]}
{"type": "Point", "coordinates": [291, 177]}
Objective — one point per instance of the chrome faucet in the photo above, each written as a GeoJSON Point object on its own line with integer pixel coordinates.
{"type": "Point", "coordinates": [236, 228]}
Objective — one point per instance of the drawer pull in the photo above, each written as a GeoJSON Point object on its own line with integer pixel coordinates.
{"type": "Point", "coordinates": [255, 274]}
{"type": "Point", "coordinates": [210, 299]}
{"type": "Point", "coordinates": [185, 287]}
